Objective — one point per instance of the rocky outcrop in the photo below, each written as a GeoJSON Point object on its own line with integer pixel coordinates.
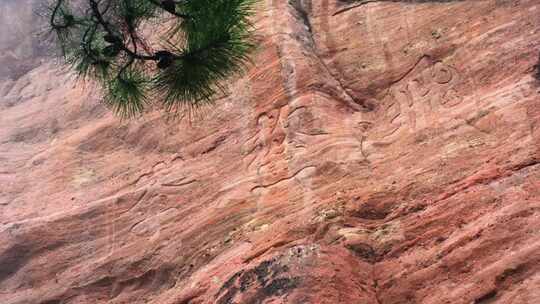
{"type": "Point", "coordinates": [377, 152]}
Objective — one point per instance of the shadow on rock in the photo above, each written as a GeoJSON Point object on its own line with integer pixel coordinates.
{"type": "Point", "coordinates": [536, 71]}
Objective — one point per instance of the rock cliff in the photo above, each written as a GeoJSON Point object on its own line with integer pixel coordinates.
{"type": "Point", "coordinates": [376, 152]}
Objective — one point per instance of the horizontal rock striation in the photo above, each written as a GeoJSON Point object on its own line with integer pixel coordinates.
{"type": "Point", "coordinates": [378, 152]}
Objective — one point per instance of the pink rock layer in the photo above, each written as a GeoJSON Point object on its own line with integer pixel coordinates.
{"type": "Point", "coordinates": [376, 152]}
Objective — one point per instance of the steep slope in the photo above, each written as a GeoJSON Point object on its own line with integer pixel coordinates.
{"type": "Point", "coordinates": [376, 152]}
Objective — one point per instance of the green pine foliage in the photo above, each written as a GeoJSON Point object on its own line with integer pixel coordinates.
{"type": "Point", "coordinates": [203, 43]}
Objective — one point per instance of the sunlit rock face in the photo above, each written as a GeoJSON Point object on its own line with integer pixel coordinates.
{"type": "Point", "coordinates": [377, 152]}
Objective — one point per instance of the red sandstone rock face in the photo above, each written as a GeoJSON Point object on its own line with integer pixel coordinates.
{"type": "Point", "coordinates": [382, 152]}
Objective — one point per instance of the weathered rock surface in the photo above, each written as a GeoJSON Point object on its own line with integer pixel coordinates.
{"type": "Point", "coordinates": [377, 152]}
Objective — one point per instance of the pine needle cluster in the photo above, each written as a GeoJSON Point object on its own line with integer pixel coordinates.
{"type": "Point", "coordinates": [201, 44]}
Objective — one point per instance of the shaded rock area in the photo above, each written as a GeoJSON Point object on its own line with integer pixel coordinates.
{"type": "Point", "coordinates": [377, 152]}
{"type": "Point", "coordinates": [23, 39]}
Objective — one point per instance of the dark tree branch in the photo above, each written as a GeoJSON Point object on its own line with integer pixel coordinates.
{"type": "Point", "coordinates": [97, 14]}
{"type": "Point", "coordinates": [54, 25]}
{"type": "Point", "coordinates": [167, 9]}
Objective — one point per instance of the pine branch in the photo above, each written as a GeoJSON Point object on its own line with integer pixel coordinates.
{"type": "Point", "coordinates": [170, 7]}
{"type": "Point", "coordinates": [209, 43]}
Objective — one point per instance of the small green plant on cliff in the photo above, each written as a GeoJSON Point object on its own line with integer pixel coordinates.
{"type": "Point", "coordinates": [179, 53]}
